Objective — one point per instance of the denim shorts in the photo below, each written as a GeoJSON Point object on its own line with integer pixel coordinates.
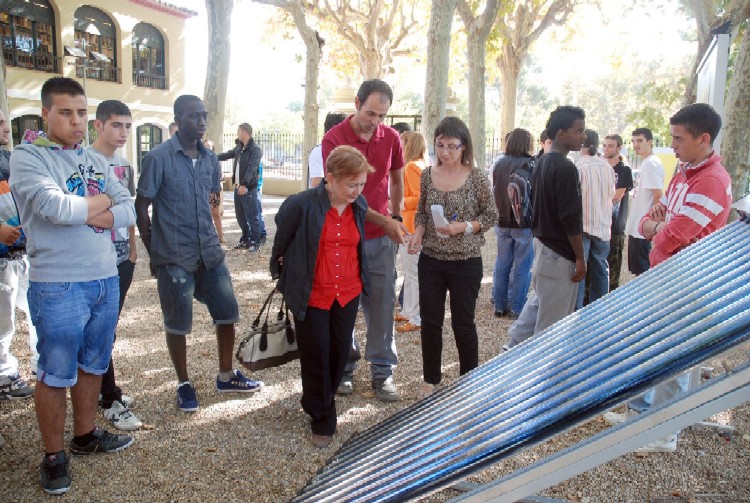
{"type": "Point", "coordinates": [75, 324]}
{"type": "Point", "coordinates": [177, 288]}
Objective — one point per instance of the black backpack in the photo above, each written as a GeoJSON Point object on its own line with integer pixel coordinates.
{"type": "Point", "coordinates": [519, 192]}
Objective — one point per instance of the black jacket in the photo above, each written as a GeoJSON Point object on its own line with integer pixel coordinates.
{"type": "Point", "coordinates": [299, 223]}
{"type": "Point", "coordinates": [500, 175]}
{"type": "Point", "coordinates": [249, 158]}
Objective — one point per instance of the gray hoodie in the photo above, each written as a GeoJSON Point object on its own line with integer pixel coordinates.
{"type": "Point", "coordinates": [48, 184]}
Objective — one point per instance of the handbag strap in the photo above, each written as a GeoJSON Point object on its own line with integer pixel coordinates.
{"type": "Point", "coordinates": [264, 309]}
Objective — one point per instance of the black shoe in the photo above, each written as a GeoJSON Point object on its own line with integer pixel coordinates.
{"type": "Point", "coordinates": [242, 245]}
{"type": "Point", "coordinates": [253, 248]}
{"type": "Point", "coordinates": [104, 442]}
{"type": "Point", "coordinates": [500, 314]}
{"type": "Point", "coordinates": [55, 475]}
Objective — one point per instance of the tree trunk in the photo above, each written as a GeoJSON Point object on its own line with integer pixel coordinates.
{"type": "Point", "coordinates": [438, 63]}
{"type": "Point", "coordinates": [735, 145]}
{"type": "Point", "coordinates": [370, 64]}
{"type": "Point", "coordinates": [313, 54]}
{"type": "Point", "coordinates": [217, 72]}
{"type": "Point", "coordinates": [476, 53]}
{"type": "Point", "coordinates": [477, 31]}
{"type": "Point", "coordinates": [509, 70]}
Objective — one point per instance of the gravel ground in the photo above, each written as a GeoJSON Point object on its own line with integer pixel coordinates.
{"type": "Point", "coordinates": [258, 449]}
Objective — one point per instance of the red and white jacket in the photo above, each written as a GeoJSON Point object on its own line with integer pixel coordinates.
{"type": "Point", "coordinates": [698, 201]}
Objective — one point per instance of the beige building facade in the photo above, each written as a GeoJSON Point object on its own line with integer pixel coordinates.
{"type": "Point", "coordinates": [130, 50]}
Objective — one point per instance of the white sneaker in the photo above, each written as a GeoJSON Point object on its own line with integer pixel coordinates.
{"type": "Point", "coordinates": [613, 418]}
{"type": "Point", "coordinates": [121, 417]}
{"type": "Point", "coordinates": [127, 401]}
{"type": "Point", "coordinates": [667, 444]}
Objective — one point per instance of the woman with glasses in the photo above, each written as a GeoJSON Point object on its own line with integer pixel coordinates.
{"type": "Point", "coordinates": [451, 258]}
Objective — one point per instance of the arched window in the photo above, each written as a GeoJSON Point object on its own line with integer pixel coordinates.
{"type": "Point", "coordinates": [96, 36]}
{"type": "Point", "coordinates": [148, 57]}
{"type": "Point", "coordinates": [148, 136]}
{"type": "Point", "coordinates": [28, 35]}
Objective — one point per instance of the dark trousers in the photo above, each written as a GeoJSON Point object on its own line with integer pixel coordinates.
{"type": "Point", "coordinates": [616, 245]}
{"type": "Point", "coordinates": [462, 278]}
{"type": "Point", "coordinates": [246, 212]}
{"type": "Point", "coordinates": [324, 339]}
{"type": "Point", "coordinates": [638, 250]}
{"type": "Point", "coordinates": [110, 391]}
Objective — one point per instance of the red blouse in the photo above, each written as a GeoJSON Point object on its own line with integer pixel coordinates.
{"type": "Point", "coordinates": [337, 274]}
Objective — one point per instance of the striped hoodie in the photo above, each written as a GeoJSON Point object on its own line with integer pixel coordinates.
{"type": "Point", "coordinates": [698, 200]}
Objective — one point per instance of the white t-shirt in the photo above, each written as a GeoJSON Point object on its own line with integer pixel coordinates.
{"type": "Point", "coordinates": [315, 164]}
{"type": "Point", "coordinates": [651, 177]}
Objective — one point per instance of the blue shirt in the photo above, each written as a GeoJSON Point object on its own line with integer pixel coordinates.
{"type": "Point", "coordinates": [182, 229]}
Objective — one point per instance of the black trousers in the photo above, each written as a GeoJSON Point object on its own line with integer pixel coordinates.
{"type": "Point", "coordinates": [324, 339]}
{"type": "Point", "coordinates": [638, 250]}
{"type": "Point", "coordinates": [462, 278]}
{"type": "Point", "coordinates": [616, 245]}
{"type": "Point", "coordinates": [110, 391]}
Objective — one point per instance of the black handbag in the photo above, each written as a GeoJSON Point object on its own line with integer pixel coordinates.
{"type": "Point", "coordinates": [271, 344]}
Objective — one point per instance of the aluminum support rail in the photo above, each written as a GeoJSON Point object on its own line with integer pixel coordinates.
{"type": "Point", "coordinates": [716, 395]}
{"type": "Point", "coordinates": [687, 309]}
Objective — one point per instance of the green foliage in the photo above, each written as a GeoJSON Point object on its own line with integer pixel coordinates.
{"type": "Point", "coordinates": [658, 103]}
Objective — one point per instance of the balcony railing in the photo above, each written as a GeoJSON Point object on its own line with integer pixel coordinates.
{"type": "Point", "coordinates": [99, 71]}
{"type": "Point", "coordinates": [152, 80]}
{"type": "Point", "coordinates": [42, 61]}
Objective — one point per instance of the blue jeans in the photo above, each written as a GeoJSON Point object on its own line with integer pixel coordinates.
{"type": "Point", "coordinates": [595, 252]}
{"type": "Point", "coordinates": [75, 323]}
{"type": "Point", "coordinates": [261, 221]}
{"type": "Point", "coordinates": [246, 211]}
{"type": "Point", "coordinates": [512, 273]}
{"type": "Point", "coordinates": [212, 287]}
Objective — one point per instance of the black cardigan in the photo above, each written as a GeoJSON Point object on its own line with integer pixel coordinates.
{"type": "Point", "coordinates": [299, 223]}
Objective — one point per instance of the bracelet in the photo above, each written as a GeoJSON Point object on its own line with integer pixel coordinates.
{"type": "Point", "coordinates": [111, 201]}
{"type": "Point", "coordinates": [656, 227]}
{"type": "Point", "coordinates": [397, 217]}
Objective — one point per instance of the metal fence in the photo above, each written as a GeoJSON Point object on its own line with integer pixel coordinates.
{"type": "Point", "coordinates": [282, 154]}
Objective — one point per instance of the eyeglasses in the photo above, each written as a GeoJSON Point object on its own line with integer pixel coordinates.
{"type": "Point", "coordinates": [449, 148]}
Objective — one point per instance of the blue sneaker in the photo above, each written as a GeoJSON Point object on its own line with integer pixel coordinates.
{"type": "Point", "coordinates": [187, 400]}
{"type": "Point", "coordinates": [238, 384]}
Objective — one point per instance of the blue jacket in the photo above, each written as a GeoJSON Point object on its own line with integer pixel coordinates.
{"type": "Point", "coordinates": [299, 224]}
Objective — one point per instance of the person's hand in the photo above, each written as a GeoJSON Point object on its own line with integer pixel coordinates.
{"type": "Point", "coordinates": [451, 229]}
{"type": "Point", "coordinates": [241, 190]}
{"type": "Point", "coordinates": [395, 230]}
{"type": "Point", "coordinates": [152, 267]}
{"type": "Point", "coordinates": [658, 213]}
{"type": "Point", "coordinates": [580, 271]}
{"type": "Point", "coordinates": [133, 257]}
{"type": "Point", "coordinates": [9, 234]}
{"type": "Point", "coordinates": [414, 245]}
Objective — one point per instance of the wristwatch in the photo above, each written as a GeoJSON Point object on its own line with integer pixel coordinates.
{"type": "Point", "coordinates": [469, 228]}
{"type": "Point", "coordinates": [397, 217]}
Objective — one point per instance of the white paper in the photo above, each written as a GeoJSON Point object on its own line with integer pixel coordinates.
{"type": "Point", "coordinates": [438, 217]}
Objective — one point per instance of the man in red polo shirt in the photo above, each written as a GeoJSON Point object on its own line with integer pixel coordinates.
{"type": "Point", "coordinates": [365, 131]}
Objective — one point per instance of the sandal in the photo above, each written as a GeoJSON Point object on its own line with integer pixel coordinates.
{"type": "Point", "coordinates": [408, 327]}
{"type": "Point", "coordinates": [400, 317]}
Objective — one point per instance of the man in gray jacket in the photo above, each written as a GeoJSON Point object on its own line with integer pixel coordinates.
{"type": "Point", "coordinates": [68, 201]}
